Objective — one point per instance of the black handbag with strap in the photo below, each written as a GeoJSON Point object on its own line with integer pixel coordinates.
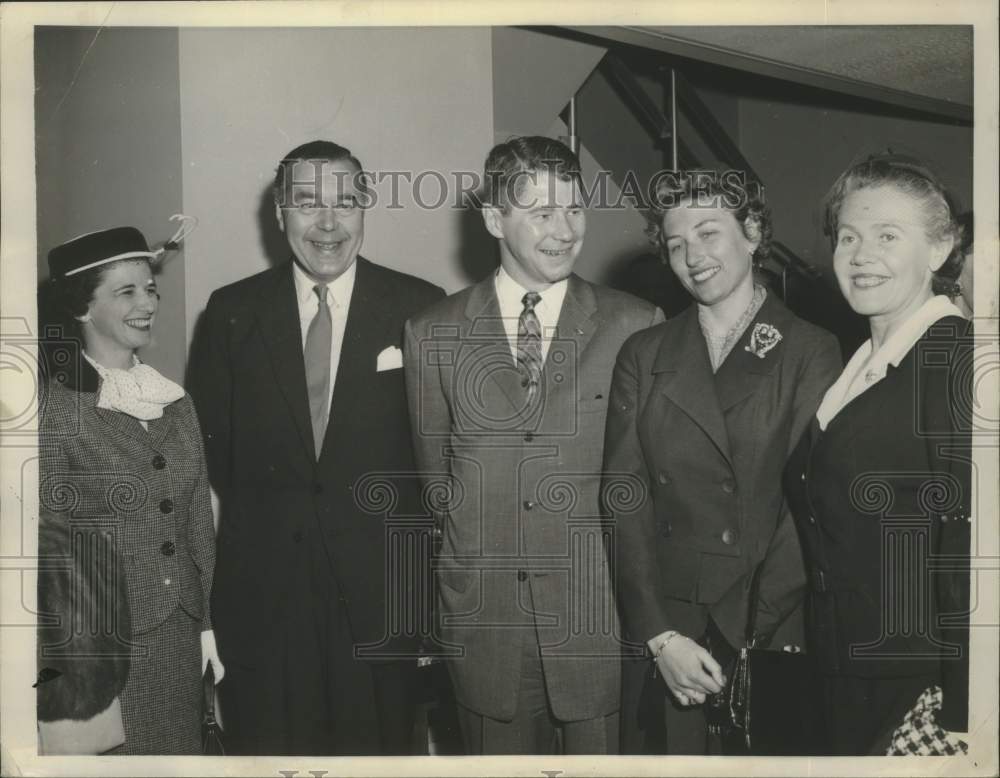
{"type": "Point", "coordinates": [211, 733]}
{"type": "Point", "coordinates": [775, 697]}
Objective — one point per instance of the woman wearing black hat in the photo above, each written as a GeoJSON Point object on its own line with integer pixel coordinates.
{"type": "Point", "coordinates": [120, 447]}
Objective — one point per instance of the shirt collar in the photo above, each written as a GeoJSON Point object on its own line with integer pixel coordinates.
{"type": "Point", "coordinates": [851, 383]}
{"type": "Point", "coordinates": [510, 295]}
{"type": "Point", "coordinates": [898, 344]}
{"type": "Point", "coordinates": [340, 287]}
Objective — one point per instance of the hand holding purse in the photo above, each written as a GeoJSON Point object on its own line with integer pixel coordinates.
{"type": "Point", "coordinates": [775, 696]}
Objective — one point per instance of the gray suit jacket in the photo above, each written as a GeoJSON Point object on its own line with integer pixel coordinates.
{"type": "Point", "coordinates": [150, 488]}
{"type": "Point", "coordinates": [516, 488]}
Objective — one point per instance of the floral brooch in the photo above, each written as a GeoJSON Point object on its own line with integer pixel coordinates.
{"type": "Point", "coordinates": [763, 338]}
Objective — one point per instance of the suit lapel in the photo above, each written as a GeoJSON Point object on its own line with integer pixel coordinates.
{"type": "Point", "coordinates": [366, 331]}
{"type": "Point", "coordinates": [575, 328]}
{"type": "Point", "coordinates": [742, 373]}
{"type": "Point", "coordinates": [687, 378]}
{"type": "Point", "coordinates": [160, 429]}
{"type": "Point", "coordinates": [121, 424]}
{"type": "Point", "coordinates": [278, 314]}
{"type": "Point", "coordinates": [492, 353]}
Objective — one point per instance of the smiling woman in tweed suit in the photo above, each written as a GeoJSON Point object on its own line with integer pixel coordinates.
{"type": "Point", "coordinates": [120, 445]}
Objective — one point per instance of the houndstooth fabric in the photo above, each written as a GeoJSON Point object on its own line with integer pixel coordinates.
{"type": "Point", "coordinates": [164, 686]}
{"type": "Point", "coordinates": [150, 488]}
{"type": "Point", "coordinates": [920, 735]}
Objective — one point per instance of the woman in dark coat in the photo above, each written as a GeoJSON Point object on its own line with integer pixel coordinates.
{"type": "Point", "coordinates": [703, 412]}
{"type": "Point", "coordinates": [120, 446]}
{"type": "Point", "coordinates": [880, 482]}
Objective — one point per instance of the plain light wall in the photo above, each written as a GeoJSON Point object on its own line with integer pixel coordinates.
{"type": "Point", "coordinates": [401, 99]}
{"type": "Point", "coordinates": [108, 152]}
{"type": "Point", "coordinates": [534, 77]}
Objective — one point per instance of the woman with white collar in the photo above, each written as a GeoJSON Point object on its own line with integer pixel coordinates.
{"type": "Point", "coordinates": [880, 483]}
{"type": "Point", "coordinates": [120, 446]}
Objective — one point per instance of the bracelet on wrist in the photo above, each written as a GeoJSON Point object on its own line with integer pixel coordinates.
{"type": "Point", "coordinates": [667, 637]}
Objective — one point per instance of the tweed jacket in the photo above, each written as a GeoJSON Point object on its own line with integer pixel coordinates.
{"type": "Point", "coordinates": [703, 455]}
{"type": "Point", "coordinates": [883, 503]}
{"type": "Point", "coordinates": [522, 544]}
{"type": "Point", "coordinates": [150, 488]}
{"type": "Point", "coordinates": [361, 500]}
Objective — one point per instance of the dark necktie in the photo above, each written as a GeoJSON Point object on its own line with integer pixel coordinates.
{"type": "Point", "coordinates": [529, 345]}
{"type": "Point", "coordinates": [317, 357]}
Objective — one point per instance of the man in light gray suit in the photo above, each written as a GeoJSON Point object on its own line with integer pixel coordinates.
{"type": "Point", "coordinates": [508, 385]}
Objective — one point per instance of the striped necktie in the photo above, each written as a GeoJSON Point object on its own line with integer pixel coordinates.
{"type": "Point", "coordinates": [529, 345]}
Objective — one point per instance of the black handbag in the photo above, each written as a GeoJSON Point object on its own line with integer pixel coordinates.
{"type": "Point", "coordinates": [212, 743]}
{"type": "Point", "coordinates": [775, 696]}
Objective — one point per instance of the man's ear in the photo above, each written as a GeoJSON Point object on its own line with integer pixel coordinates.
{"type": "Point", "coordinates": [280, 217]}
{"type": "Point", "coordinates": [492, 218]}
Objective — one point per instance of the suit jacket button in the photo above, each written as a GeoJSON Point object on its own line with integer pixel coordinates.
{"type": "Point", "coordinates": [318, 488]}
{"type": "Point", "coordinates": [167, 549]}
{"type": "Point", "coordinates": [812, 519]}
{"type": "Point", "coordinates": [522, 576]}
{"type": "Point", "coordinates": [729, 537]}
{"type": "Point", "coordinates": [167, 582]}
{"type": "Point", "coordinates": [166, 506]}
{"type": "Point", "coordinates": [662, 477]}
{"type": "Point", "coordinates": [297, 536]}
{"type": "Point", "coordinates": [528, 505]}
{"type": "Point", "coordinates": [159, 462]}
{"type": "Point", "coordinates": [803, 477]}
{"type": "Point", "coordinates": [729, 486]}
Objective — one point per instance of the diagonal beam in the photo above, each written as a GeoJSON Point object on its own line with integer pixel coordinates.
{"type": "Point", "coordinates": [645, 109]}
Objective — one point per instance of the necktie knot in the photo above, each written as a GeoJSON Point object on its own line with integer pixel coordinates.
{"type": "Point", "coordinates": [530, 300]}
{"type": "Point", "coordinates": [320, 290]}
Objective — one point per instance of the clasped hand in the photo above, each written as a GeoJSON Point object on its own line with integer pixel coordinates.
{"type": "Point", "coordinates": [690, 672]}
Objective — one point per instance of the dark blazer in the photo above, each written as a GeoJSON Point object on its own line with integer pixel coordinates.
{"type": "Point", "coordinates": [523, 504]}
{"type": "Point", "coordinates": [703, 455]}
{"type": "Point", "coordinates": [882, 499]}
{"type": "Point", "coordinates": [248, 381]}
{"type": "Point", "coordinates": [150, 486]}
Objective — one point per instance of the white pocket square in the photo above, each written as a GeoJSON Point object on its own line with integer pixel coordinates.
{"type": "Point", "coordinates": [390, 358]}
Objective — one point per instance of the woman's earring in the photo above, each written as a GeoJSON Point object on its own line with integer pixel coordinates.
{"type": "Point", "coordinates": [84, 318]}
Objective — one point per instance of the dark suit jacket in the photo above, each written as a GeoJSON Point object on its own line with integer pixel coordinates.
{"type": "Point", "coordinates": [248, 382]}
{"type": "Point", "coordinates": [522, 523]}
{"type": "Point", "coordinates": [704, 454]}
{"type": "Point", "coordinates": [882, 502]}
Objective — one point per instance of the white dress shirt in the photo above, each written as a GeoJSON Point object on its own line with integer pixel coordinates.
{"type": "Point", "coordinates": [866, 369]}
{"type": "Point", "coordinates": [510, 295]}
{"type": "Point", "coordinates": [338, 298]}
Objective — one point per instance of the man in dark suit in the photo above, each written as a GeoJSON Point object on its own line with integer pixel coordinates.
{"type": "Point", "coordinates": [508, 383]}
{"type": "Point", "coordinates": [299, 388]}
